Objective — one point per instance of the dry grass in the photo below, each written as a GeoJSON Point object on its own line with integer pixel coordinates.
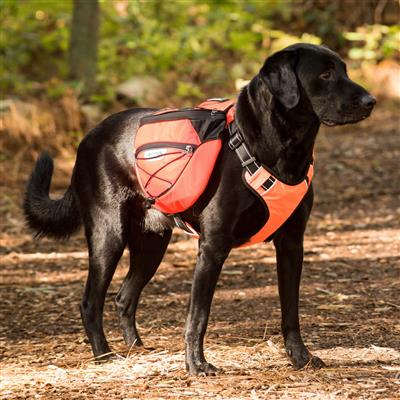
{"type": "Point", "coordinates": [26, 126]}
{"type": "Point", "coordinates": [260, 368]}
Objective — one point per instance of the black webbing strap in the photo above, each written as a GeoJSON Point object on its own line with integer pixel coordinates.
{"type": "Point", "coordinates": [268, 183]}
{"type": "Point", "coordinates": [180, 223]}
{"type": "Point", "coordinates": [236, 143]}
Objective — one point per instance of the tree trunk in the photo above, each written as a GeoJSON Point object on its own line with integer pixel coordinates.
{"type": "Point", "coordinates": [83, 43]}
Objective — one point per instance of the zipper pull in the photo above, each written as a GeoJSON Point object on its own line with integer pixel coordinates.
{"type": "Point", "coordinates": [189, 149]}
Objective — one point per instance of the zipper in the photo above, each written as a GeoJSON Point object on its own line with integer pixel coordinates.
{"type": "Point", "coordinates": [189, 148]}
{"type": "Point", "coordinates": [193, 114]}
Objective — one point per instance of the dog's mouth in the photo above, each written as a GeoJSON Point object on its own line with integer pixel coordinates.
{"type": "Point", "coordinates": [329, 122]}
{"type": "Point", "coordinates": [346, 120]}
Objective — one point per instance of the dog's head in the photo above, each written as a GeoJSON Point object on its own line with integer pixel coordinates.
{"type": "Point", "coordinates": [319, 74]}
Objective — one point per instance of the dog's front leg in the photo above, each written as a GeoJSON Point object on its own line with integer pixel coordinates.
{"type": "Point", "coordinates": [211, 256]}
{"type": "Point", "coordinates": [289, 256]}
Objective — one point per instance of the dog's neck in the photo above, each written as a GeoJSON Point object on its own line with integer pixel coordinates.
{"type": "Point", "coordinates": [281, 139]}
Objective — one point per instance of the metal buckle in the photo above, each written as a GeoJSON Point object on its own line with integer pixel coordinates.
{"type": "Point", "coordinates": [249, 161]}
{"type": "Point", "coordinates": [235, 141]}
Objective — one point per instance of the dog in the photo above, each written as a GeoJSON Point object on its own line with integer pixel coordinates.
{"type": "Point", "coordinates": [278, 114]}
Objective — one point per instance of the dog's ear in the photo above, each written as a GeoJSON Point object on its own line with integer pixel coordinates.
{"type": "Point", "coordinates": [280, 78]}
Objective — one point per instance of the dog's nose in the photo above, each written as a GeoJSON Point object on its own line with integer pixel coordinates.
{"type": "Point", "coordinates": [367, 101]}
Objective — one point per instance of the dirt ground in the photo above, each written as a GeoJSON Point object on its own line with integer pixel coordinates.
{"type": "Point", "coordinates": [350, 297]}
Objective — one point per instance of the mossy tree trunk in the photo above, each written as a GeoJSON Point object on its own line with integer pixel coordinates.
{"type": "Point", "coordinates": [83, 43]}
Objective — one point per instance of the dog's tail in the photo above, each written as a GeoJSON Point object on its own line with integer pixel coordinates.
{"type": "Point", "coordinates": [46, 217]}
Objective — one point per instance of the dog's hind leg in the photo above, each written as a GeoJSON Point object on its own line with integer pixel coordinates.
{"type": "Point", "coordinates": [105, 235]}
{"type": "Point", "coordinates": [146, 252]}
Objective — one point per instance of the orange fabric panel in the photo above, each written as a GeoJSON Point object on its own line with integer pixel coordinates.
{"type": "Point", "coordinates": [181, 131]}
{"type": "Point", "coordinates": [174, 160]}
{"type": "Point", "coordinates": [281, 200]}
{"type": "Point", "coordinates": [164, 110]}
{"type": "Point", "coordinates": [154, 179]}
{"type": "Point", "coordinates": [230, 116]}
{"type": "Point", "coordinates": [211, 104]}
{"type": "Point", "coordinates": [192, 183]}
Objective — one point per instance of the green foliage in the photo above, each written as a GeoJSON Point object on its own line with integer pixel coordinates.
{"type": "Point", "coordinates": [374, 42]}
{"type": "Point", "coordinates": [33, 43]}
{"type": "Point", "coordinates": [195, 48]}
{"type": "Point", "coordinates": [192, 42]}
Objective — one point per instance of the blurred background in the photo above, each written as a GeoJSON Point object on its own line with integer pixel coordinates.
{"type": "Point", "coordinates": [66, 64]}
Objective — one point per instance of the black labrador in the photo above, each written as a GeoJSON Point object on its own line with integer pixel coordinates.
{"type": "Point", "coordinates": [278, 113]}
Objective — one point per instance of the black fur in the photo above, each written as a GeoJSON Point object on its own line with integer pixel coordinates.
{"type": "Point", "coordinates": [54, 218]}
{"type": "Point", "coordinates": [279, 114]}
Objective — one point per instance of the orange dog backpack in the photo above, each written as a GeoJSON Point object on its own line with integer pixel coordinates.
{"type": "Point", "coordinates": [175, 152]}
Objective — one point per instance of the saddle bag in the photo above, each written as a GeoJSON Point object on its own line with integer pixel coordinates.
{"type": "Point", "coordinates": [175, 153]}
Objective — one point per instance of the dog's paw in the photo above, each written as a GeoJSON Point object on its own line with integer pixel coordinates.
{"type": "Point", "coordinates": [316, 363]}
{"type": "Point", "coordinates": [203, 369]}
{"type": "Point", "coordinates": [131, 335]}
{"type": "Point", "coordinates": [299, 354]}
{"type": "Point", "coordinates": [304, 359]}
{"type": "Point", "coordinates": [133, 341]}
{"type": "Point", "coordinates": [299, 357]}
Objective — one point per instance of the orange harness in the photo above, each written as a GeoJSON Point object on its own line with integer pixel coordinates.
{"type": "Point", "coordinates": [156, 169]}
{"type": "Point", "coordinates": [280, 199]}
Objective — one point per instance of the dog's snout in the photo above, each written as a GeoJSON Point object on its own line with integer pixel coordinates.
{"type": "Point", "coordinates": [367, 101]}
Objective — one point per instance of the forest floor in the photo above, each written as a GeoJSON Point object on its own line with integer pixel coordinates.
{"type": "Point", "coordinates": [350, 296]}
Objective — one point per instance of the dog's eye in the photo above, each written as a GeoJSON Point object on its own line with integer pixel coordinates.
{"type": "Point", "coordinates": [327, 75]}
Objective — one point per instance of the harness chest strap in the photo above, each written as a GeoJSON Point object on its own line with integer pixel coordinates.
{"type": "Point", "coordinates": [280, 198]}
